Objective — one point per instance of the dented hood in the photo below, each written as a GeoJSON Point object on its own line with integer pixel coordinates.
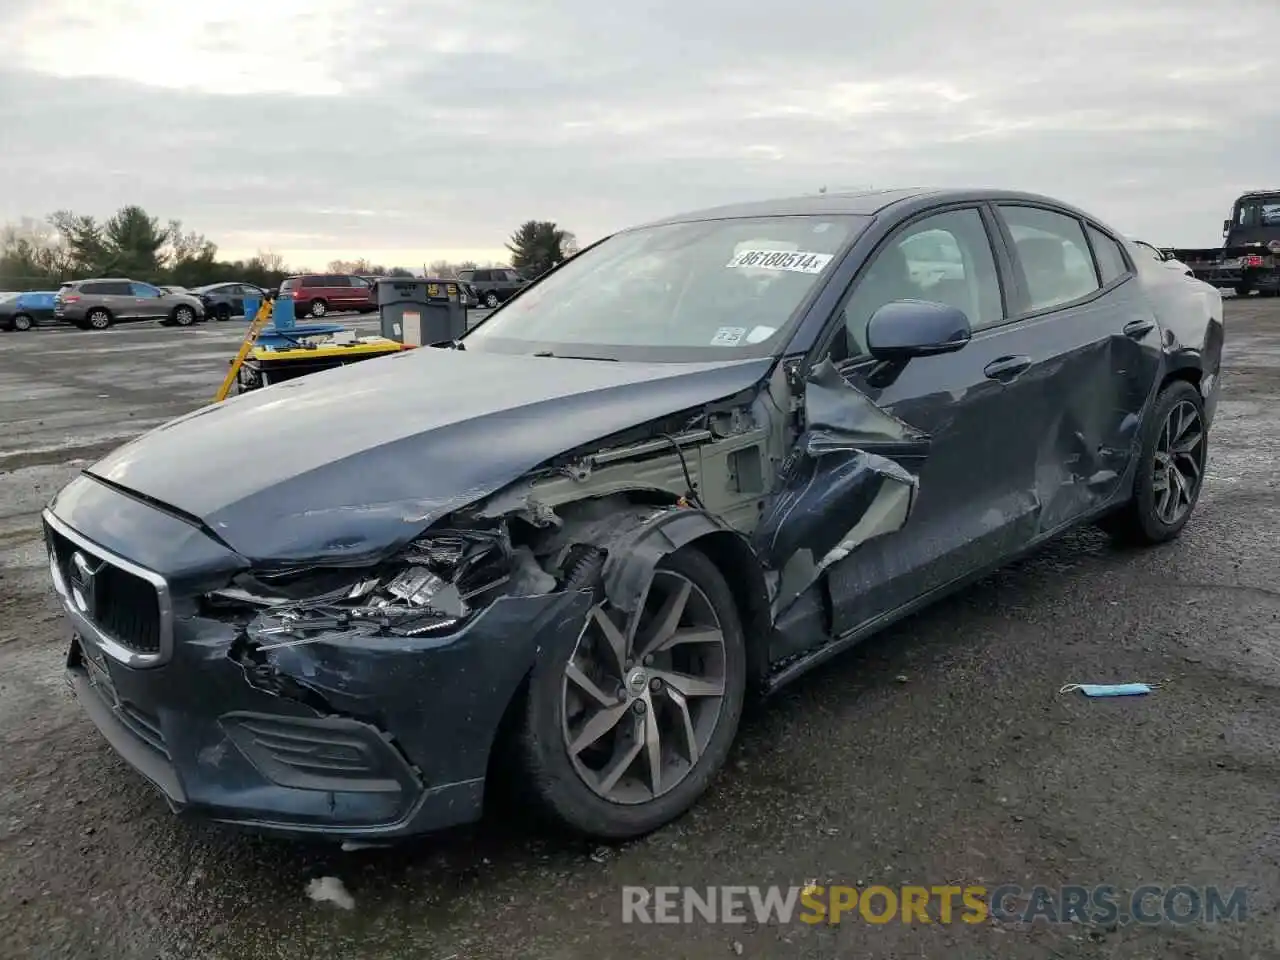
{"type": "Point", "coordinates": [356, 460]}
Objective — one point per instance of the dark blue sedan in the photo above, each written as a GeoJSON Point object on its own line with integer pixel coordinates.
{"type": "Point", "coordinates": [23, 311]}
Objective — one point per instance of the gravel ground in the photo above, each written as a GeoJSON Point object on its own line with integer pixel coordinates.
{"type": "Point", "coordinates": [940, 752]}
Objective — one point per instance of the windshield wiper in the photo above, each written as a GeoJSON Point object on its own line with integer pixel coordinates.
{"type": "Point", "coordinates": [565, 356]}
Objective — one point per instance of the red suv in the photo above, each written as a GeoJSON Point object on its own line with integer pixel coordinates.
{"type": "Point", "coordinates": [315, 294]}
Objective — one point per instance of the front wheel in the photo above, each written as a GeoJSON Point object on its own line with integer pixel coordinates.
{"type": "Point", "coordinates": [628, 722]}
{"type": "Point", "coordinates": [184, 316]}
{"type": "Point", "coordinates": [1170, 470]}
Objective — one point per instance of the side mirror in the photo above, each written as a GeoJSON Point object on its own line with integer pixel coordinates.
{"type": "Point", "coordinates": [916, 328]}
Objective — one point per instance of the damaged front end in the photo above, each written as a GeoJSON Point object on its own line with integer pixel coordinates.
{"type": "Point", "coordinates": [430, 587]}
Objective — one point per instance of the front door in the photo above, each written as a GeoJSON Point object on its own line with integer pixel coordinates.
{"type": "Point", "coordinates": [975, 499]}
{"type": "Point", "coordinates": [148, 302]}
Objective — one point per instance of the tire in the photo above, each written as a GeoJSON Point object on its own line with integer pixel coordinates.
{"type": "Point", "coordinates": [1243, 289]}
{"type": "Point", "coordinates": [318, 308]}
{"type": "Point", "coordinates": [22, 321]}
{"type": "Point", "coordinates": [183, 315]}
{"type": "Point", "coordinates": [633, 808]}
{"type": "Point", "coordinates": [491, 300]}
{"type": "Point", "coordinates": [222, 313]}
{"type": "Point", "coordinates": [1141, 521]}
{"type": "Point", "coordinates": [99, 318]}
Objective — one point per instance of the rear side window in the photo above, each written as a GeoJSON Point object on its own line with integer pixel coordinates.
{"type": "Point", "coordinates": [483, 276]}
{"type": "Point", "coordinates": [291, 284]}
{"type": "Point", "coordinates": [1053, 254]}
{"type": "Point", "coordinates": [92, 289]}
{"type": "Point", "coordinates": [1111, 262]}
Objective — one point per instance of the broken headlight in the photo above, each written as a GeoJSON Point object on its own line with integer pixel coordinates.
{"type": "Point", "coordinates": [433, 584]}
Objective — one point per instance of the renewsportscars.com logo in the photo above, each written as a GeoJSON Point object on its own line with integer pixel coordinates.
{"type": "Point", "coordinates": [1147, 904]}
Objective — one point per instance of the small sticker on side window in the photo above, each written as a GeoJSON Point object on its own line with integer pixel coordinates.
{"type": "Point", "coordinates": [795, 261]}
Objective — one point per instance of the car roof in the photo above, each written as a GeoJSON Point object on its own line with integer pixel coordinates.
{"type": "Point", "coordinates": [866, 203]}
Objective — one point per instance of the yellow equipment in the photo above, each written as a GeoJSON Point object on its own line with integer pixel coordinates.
{"type": "Point", "coordinates": [267, 365]}
{"type": "Point", "coordinates": [250, 337]}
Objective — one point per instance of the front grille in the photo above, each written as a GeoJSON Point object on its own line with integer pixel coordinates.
{"type": "Point", "coordinates": [125, 607]}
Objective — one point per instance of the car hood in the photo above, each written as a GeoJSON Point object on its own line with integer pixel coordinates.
{"type": "Point", "coordinates": [355, 461]}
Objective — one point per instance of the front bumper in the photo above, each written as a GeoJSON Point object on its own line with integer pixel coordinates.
{"type": "Point", "coordinates": [378, 740]}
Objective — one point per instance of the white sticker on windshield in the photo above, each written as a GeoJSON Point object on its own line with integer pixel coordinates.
{"type": "Point", "coordinates": [728, 336]}
{"type": "Point", "coordinates": [796, 261]}
{"type": "Point", "coordinates": [761, 334]}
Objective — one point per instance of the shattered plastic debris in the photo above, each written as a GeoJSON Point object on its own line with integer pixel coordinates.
{"type": "Point", "coordinates": [330, 890]}
{"type": "Point", "coordinates": [1110, 689]}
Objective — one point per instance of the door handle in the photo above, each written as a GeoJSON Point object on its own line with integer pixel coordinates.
{"type": "Point", "coordinates": [1137, 329]}
{"type": "Point", "coordinates": [1005, 369]}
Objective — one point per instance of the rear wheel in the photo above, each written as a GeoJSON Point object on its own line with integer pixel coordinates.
{"type": "Point", "coordinates": [318, 308]}
{"type": "Point", "coordinates": [222, 312]}
{"type": "Point", "coordinates": [22, 321]}
{"type": "Point", "coordinates": [1170, 470]}
{"type": "Point", "coordinates": [97, 319]}
{"type": "Point", "coordinates": [490, 299]}
{"type": "Point", "coordinates": [628, 722]}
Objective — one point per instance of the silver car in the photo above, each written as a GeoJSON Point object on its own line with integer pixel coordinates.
{"type": "Point", "coordinates": [97, 304]}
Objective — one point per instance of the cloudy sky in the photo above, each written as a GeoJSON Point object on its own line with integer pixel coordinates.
{"type": "Point", "coordinates": [407, 131]}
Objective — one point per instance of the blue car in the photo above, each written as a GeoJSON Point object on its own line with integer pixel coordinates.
{"type": "Point", "coordinates": [22, 311]}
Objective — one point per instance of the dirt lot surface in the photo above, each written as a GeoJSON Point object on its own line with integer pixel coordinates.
{"type": "Point", "coordinates": [939, 753]}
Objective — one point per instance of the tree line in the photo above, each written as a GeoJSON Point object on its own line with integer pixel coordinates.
{"type": "Point", "coordinates": [41, 254]}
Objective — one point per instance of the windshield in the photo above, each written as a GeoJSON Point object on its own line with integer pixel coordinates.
{"type": "Point", "coordinates": [679, 292]}
{"type": "Point", "coordinates": [1258, 212]}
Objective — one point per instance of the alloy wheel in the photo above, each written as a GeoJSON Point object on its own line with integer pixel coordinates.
{"type": "Point", "coordinates": [99, 320]}
{"type": "Point", "coordinates": [491, 300]}
{"type": "Point", "coordinates": [318, 309]}
{"type": "Point", "coordinates": [184, 316]}
{"type": "Point", "coordinates": [22, 322]}
{"type": "Point", "coordinates": [642, 700]}
{"type": "Point", "coordinates": [1179, 462]}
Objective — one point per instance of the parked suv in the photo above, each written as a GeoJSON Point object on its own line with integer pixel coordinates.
{"type": "Point", "coordinates": [493, 286]}
{"type": "Point", "coordinates": [97, 304]}
{"type": "Point", "coordinates": [315, 294]}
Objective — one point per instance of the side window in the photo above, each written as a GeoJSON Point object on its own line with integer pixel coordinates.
{"type": "Point", "coordinates": [1053, 253]}
{"type": "Point", "coordinates": [118, 288]}
{"type": "Point", "coordinates": [93, 289]}
{"type": "Point", "coordinates": [144, 290]}
{"type": "Point", "coordinates": [1111, 262]}
{"type": "Point", "coordinates": [945, 258]}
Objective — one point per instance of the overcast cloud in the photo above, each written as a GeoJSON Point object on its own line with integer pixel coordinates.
{"type": "Point", "coordinates": [406, 131]}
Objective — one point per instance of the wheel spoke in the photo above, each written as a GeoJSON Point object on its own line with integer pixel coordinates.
{"type": "Point", "coordinates": [1192, 465]}
{"type": "Point", "coordinates": [691, 751]}
{"type": "Point", "coordinates": [613, 637]}
{"type": "Point", "coordinates": [1162, 504]}
{"type": "Point", "coordinates": [667, 621]}
{"type": "Point", "coordinates": [1187, 443]}
{"type": "Point", "coordinates": [584, 683]}
{"type": "Point", "coordinates": [652, 746]}
{"type": "Point", "coordinates": [595, 728]}
{"type": "Point", "coordinates": [611, 774]}
{"type": "Point", "coordinates": [691, 686]}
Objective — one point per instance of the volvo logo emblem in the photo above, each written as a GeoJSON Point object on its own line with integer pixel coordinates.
{"type": "Point", "coordinates": [80, 576]}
